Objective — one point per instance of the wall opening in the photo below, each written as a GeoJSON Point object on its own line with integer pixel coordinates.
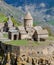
{"type": "Point", "coordinates": [15, 37]}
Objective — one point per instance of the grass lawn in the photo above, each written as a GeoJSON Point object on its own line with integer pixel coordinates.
{"type": "Point", "coordinates": [51, 38]}
{"type": "Point", "coordinates": [21, 42]}
{"type": "Point", "coordinates": [33, 43]}
{"type": "Point", "coordinates": [18, 42]}
{"type": "Point", "coordinates": [5, 35]}
{"type": "Point", "coordinates": [26, 42]}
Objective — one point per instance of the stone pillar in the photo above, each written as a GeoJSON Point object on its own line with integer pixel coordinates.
{"type": "Point", "coordinates": [18, 60]}
{"type": "Point", "coordinates": [8, 56]}
{"type": "Point", "coordinates": [12, 37]}
{"type": "Point", "coordinates": [17, 36]}
{"type": "Point", "coordinates": [1, 29]}
{"type": "Point", "coordinates": [21, 61]}
{"type": "Point", "coordinates": [7, 64]}
{"type": "Point", "coordinates": [38, 38]}
{"type": "Point", "coordinates": [28, 59]}
{"type": "Point", "coordinates": [44, 62]}
{"type": "Point", "coordinates": [8, 59]}
{"type": "Point", "coordinates": [33, 61]}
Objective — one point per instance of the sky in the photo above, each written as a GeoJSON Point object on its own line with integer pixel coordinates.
{"type": "Point", "coordinates": [49, 3]}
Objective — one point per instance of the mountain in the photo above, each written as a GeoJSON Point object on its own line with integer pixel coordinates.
{"type": "Point", "coordinates": [42, 14]}
{"type": "Point", "coordinates": [10, 10]}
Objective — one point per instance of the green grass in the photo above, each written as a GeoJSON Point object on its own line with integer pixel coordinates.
{"type": "Point", "coordinates": [15, 22]}
{"type": "Point", "coordinates": [22, 42]}
{"type": "Point", "coordinates": [29, 42]}
{"type": "Point", "coordinates": [2, 17]}
{"type": "Point", "coordinates": [26, 42]}
{"type": "Point", "coordinates": [51, 38]}
{"type": "Point", "coordinates": [18, 42]}
{"type": "Point", "coordinates": [5, 35]}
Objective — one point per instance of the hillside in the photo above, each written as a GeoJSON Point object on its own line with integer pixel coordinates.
{"type": "Point", "coordinates": [2, 17]}
{"type": "Point", "coordinates": [39, 14]}
{"type": "Point", "coordinates": [10, 10]}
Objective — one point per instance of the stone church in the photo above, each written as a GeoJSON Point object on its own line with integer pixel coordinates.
{"type": "Point", "coordinates": [28, 31]}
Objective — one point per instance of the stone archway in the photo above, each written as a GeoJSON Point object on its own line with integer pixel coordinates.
{"type": "Point", "coordinates": [15, 37]}
{"type": "Point", "coordinates": [35, 36]}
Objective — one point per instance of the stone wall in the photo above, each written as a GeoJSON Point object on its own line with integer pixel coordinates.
{"type": "Point", "coordinates": [26, 50]}
{"type": "Point", "coordinates": [10, 48]}
{"type": "Point", "coordinates": [26, 55]}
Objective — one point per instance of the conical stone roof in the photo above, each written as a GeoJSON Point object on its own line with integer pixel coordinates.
{"type": "Point", "coordinates": [28, 16]}
{"type": "Point", "coordinates": [10, 23]}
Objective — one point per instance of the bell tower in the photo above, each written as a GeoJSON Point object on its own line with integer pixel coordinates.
{"type": "Point", "coordinates": [28, 21]}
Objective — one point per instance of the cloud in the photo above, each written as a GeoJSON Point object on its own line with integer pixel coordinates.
{"type": "Point", "coordinates": [42, 5]}
{"type": "Point", "coordinates": [30, 7]}
{"type": "Point", "coordinates": [48, 16]}
{"type": "Point", "coordinates": [20, 7]}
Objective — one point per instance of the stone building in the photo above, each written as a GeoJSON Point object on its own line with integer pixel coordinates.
{"type": "Point", "coordinates": [1, 35]}
{"type": "Point", "coordinates": [30, 54]}
{"type": "Point", "coordinates": [40, 33]}
{"type": "Point", "coordinates": [28, 31]}
{"type": "Point", "coordinates": [13, 34]}
{"type": "Point", "coordinates": [1, 27]}
{"type": "Point", "coordinates": [1, 30]}
{"type": "Point", "coordinates": [28, 21]}
{"type": "Point", "coordinates": [22, 32]}
{"type": "Point", "coordinates": [9, 24]}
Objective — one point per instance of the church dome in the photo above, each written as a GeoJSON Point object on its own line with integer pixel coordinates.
{"type": "Point", "coordinates": [10, 23]}
{"type": "Point", "coordinates": [28, 16]}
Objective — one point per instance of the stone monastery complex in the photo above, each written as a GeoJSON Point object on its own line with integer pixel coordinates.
{"type": "Point", "coordinates": [26, 31]}
{"type": "Point", "coordinates": [28, 54]}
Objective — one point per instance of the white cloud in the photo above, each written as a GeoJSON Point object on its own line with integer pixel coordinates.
{"type": "Point", "coordinates": [42, 5]}
{"type": "Point", "coordinates": [30, 7]}
{"type": "Point", "coordinates": [20, 7]}
{"type": "Point", "coordinates": [48, 16]}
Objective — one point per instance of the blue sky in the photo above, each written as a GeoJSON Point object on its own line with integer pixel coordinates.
{"type": "Point", "coordinates": [49, 3]}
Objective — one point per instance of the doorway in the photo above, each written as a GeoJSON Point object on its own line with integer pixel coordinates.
{"type": "Point", "coordinates": [15, 37]}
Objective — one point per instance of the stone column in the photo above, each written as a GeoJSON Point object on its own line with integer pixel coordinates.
{"type": "Point", "coordinates": [7, 64]}
{"type": "Point", "coordinates": [8, 56]}
{"type": "Point", "coordinates": [44, 62]}
{"type": "Point", "coordinates": [17, 36]}
{"type": "Point", "coordinates": [1, 29]}
{"type": "Point", "coordinates": [18, 61]}
{"type": "Point", "coordinates": [33, 61]}
{"type": "Point", "coordinates": [28, 59]}
{"type": "Point", "coordinates": [38, 39]}
{"type": "Point", "coordinates": [12, 36]}
{"type": "Point", "coordinates": [8, 59]}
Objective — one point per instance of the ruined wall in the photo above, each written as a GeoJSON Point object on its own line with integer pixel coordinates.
{"type": "Point", "coordinates": [26, 50]}
{"type": "Point", "coordinates": [27, 55]}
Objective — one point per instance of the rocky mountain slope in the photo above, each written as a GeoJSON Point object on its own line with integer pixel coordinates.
{"type": "Point", "coordinates": [10, 10]}
{"type": "Point", "coordinates": [42, 16]}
